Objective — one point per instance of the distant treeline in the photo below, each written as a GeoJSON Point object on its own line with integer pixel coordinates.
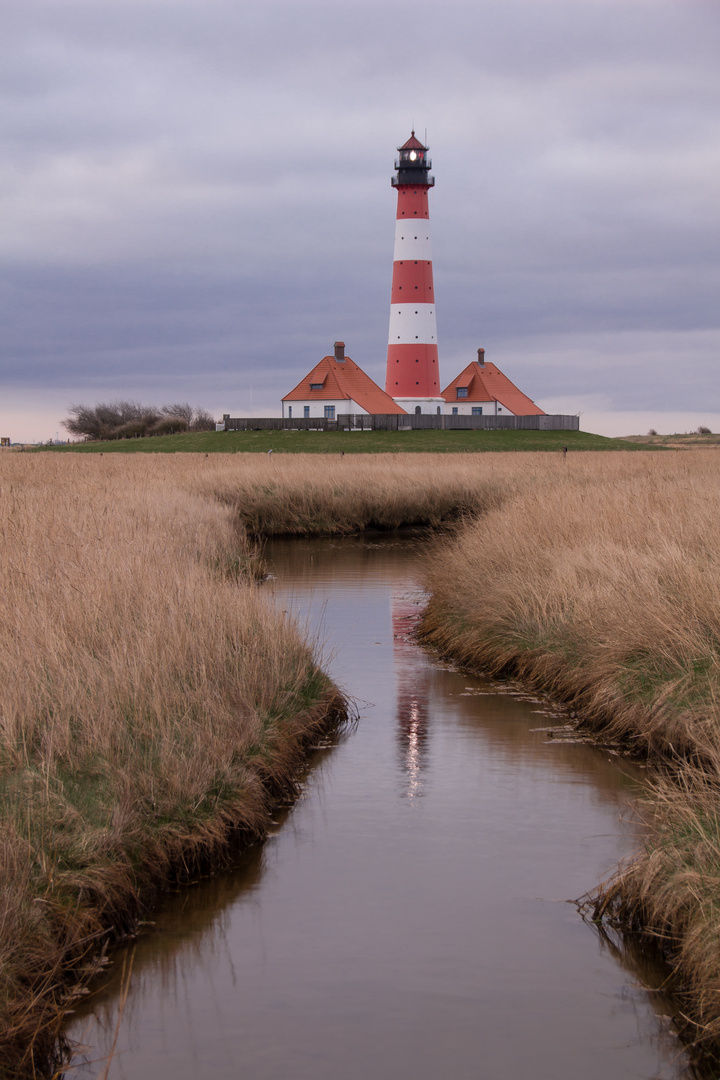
{"type": "Point", "coordinates": [129, 420]}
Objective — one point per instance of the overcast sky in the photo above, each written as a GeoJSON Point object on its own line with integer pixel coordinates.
{"type": "Point", "coordinates": [196, 199]}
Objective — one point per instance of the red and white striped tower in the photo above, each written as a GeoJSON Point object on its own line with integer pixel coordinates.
{"type": "Point", "coordinates": [412, 376]}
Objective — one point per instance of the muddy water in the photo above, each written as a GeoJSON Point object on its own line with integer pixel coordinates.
{"type": "Point", "coordinates": [409, 916]}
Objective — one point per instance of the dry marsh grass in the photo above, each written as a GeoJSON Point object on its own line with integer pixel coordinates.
{"type": "Point", "coordinates": [602, 584]}
{"type": "Point", "coordinates": [307, 494]}
{"type": "Point", "coordinates": [150, 700]}
{"type": "Point", "coordinates": [149, 697]}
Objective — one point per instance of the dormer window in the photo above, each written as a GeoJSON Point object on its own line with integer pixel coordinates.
{"type": "Point", "coordinates": [461, 391]}
{"type": "Point", "coordinates": [316, 386]}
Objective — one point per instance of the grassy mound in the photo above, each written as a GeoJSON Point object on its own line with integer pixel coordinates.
{"type": "Point", "coordinates": [354, 442]}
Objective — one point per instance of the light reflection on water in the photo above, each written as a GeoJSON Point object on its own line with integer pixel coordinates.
{"type": "Point", "coordinates": [409, 916]}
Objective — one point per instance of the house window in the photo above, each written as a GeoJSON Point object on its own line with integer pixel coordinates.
{"type": "Point", "coordinates": [477, 410]}
{"type": "Point", "coordinates": [461, 391]}
{"type": "Point", "coordinates": [316, 386]}
{"type": "Point", "coordinates": [289, 412]}
{"type": "Point", "coordinates": [306, 411]}
{"type": "Point", "coordinates": [329, 412]}
{"type": "Point", "coordinates": [454, 412]}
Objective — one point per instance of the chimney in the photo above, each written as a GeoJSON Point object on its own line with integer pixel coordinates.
{"type": "Point", "coordinates": [481, 357]}
{"type": "Point", "coordinates": [339, 350]}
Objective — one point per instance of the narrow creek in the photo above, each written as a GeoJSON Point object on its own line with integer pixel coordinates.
{"type": "Point", "coordinates": [409, 916]}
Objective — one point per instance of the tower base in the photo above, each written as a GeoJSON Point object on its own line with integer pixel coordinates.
{"type": "Point", "coordinates": [414, 405]}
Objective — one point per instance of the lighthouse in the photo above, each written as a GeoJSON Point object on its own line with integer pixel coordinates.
{"type": "Point", "coordinates": [412, 375]}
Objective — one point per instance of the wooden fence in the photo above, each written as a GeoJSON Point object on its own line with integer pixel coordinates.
{"type": "Point", "coordinates": [408, 422]}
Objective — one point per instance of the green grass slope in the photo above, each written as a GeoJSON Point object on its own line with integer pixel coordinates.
{"type": "Point", "coordinates": [354, 442]}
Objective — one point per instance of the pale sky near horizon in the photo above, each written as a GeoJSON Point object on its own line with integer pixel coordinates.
{"type": "Point", "coordinates": [196, 199]}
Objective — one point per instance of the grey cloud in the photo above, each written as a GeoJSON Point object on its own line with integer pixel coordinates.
{"type": "Point", "coordinates": [184, 178]}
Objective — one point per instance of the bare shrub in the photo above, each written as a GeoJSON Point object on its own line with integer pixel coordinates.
{"type": "Point", "coordinates": [169, 425]}
{"type": "Point", "coordinates": [182, 410]}
{"type": "Point", "coordinates": [195, 419]}
{"type": "Point", "coordinates": [128, 419]}
{"type": "Point", "coordinates": [202, 421]}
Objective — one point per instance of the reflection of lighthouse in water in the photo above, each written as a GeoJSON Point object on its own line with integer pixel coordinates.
{"type": "Point", "coordinates": [412, 673]}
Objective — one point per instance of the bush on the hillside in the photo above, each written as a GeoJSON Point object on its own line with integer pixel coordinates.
{"type": "Point", "coordinates": [169, 425]}
{"type": "Point", "coordinates": [130, 420]}
{"type": "Point", "coordinates": [194, 419]}
{"type": "Point", "coordinates": [203, 421]}
{"type": "Point", "coordinates": [133, 429]}
{"type": "Point", "coordinates": [702, 430]}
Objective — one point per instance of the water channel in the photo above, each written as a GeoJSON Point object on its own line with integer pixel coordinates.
{"type": "Point", "coordinates": [409, 916]}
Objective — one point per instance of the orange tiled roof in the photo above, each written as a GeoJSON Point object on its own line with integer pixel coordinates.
{"type": "Point", "coordinates": [487, 383]}
{"type": "Point", "coordinates": [343, 380]}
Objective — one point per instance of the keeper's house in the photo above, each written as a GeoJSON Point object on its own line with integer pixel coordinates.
{"type": "Point", "coordinates": [482, 390]}
{"type": "Point", "coordinates": [334, 387]}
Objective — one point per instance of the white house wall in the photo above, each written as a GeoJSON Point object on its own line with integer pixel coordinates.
{"type": "Point", "coordinates": [465, 408]}
{"type": "Point", "coordinates": [317, 408]}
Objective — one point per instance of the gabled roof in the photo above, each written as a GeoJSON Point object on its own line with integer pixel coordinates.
{"type": "Point", "coordinates": [412, 144]}
{"type": "Point", "coordinates": [487, 383]}
{"type": "Point", "coordinates": [343, 380]}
